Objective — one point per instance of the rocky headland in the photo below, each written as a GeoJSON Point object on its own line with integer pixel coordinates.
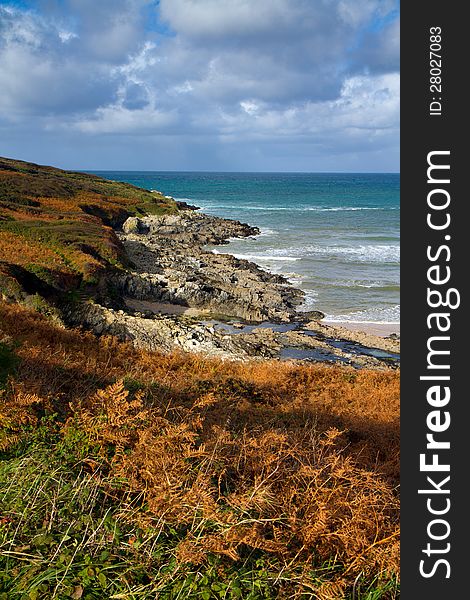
{"type": "Point", "coordinates": [139, 265]}
{"type": "Point", "coordinates": [178, 294]}
{"type": "Point", "coordinates": [174, 266]}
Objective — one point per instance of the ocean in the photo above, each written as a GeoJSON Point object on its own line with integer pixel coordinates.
{"type": "Point", "coordinates": [334, 235]}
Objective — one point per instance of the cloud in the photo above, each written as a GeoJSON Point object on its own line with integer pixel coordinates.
{"type": "Point", "coordinates": [380, 50]}
{"type": "Point", "coordinates": [367, 108]}
{"type": "Point", "coordinates": [40, 86]}
{"type": "Point", "coordinates": [119, 119]}
{"type": "Point", "coordinates": [276, 50]}
{"type": "Point", "coordinates": [65, 61]}
{"type": "Point", "coordinates": [360, 12]}
{"type": "Point", "coordinates": [304, 75]}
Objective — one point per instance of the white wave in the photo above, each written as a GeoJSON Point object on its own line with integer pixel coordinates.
{"type": "Point", "coordinates": [361, 253]}
{"type": "Point", "coordinates": [242, 207]}
{"type": "Point", "coordinates": [374, 253]}
{"type": "Point", "coordinates": [259, 257]}
{"type": "Point", "coordinates": [310, 300]}
{"type": "Point", "coordinates": [348, 208]}
{"type": "Point", "coordinates": [382, 316]}
{"type": "Point", "coordinates": [267, 258]}
{"type": "Point", "coordinates": [265, 232]}
{"type": "Point", "coordinates": [363, 284]}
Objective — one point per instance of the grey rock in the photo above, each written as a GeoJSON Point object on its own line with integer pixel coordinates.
{"type": "Point", "coordinates": [174, 269]}
{"type": "Point", "coordinates": [311, 315]}
{"type": "Point", "coordinates": [174, 266]}
{"type": "Point", "coordinates": [134, 225]}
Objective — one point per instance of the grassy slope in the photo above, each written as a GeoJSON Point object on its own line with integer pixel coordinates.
{"type": "Point", "coordinates": [129, 474]}
{"type": "Point", "coordinates": [55, 227]}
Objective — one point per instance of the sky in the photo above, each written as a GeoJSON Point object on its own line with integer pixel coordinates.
{"type": "Point", "coordinates": [201, 85]}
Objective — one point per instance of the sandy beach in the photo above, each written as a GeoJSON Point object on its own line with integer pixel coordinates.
{"type": "Point", "coordinates": [379, 329]}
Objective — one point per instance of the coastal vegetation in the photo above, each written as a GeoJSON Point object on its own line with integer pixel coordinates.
{"type": "Point", "coordinates": [56, 228]}
{"type": "Point", "coordinates": [133, 474]}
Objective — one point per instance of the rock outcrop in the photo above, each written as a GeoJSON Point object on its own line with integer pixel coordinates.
{"type": "Point", "coordinates": [167, 333]}
{"type": "Point", "coordinates": [179, 295]}
{"type": "Point", "coordinates": [173, 266]}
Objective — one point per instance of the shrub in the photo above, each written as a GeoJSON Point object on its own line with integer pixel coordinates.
{"type": "Point", "coordinates": [132, 474]}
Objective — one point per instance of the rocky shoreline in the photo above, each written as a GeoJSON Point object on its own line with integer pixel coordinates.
{"type": "Point", "coordinates": [178, 294]}
{"type": "Point", "coordinates": [169, 252]}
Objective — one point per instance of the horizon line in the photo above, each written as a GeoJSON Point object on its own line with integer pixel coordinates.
{"type": "Point", "coordinates": [94, 170]}
{"type": "Point", "coordinates": [238, 172]}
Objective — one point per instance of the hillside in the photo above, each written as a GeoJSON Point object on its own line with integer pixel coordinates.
{"type": "Point", "coordinates": [131, 474]}
{"type": "Point", "coordinates": [56, 228]}
{"type": "Point", "coordinates": [137, 471]}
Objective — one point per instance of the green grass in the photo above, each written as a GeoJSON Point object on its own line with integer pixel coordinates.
{"type": "Point", "coordinates": [8, 362]}
{"type": "Point", "coordinates": [156, 209]}
{"type": "Point", "coordinates": [64, 236]}
{"type": "Point", "coordinates": [68, 531]}
{"type": "Point", "coordinates": [30, 180]}
{"type": "Point", "coordinates": [375, 590]}
{"type": "Point", "coordinates": [56, 233]}
{"type": "Point", "coordinates": [74, 223]}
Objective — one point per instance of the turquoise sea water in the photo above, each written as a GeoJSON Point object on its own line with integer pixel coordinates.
{"type": "Point", "coordinates": [336, 236]}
